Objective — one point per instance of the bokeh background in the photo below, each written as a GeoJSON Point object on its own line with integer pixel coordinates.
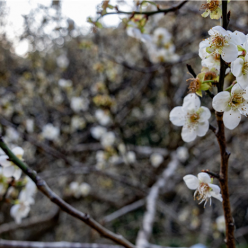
{"type": "Point", "coordinates": [63, 83]}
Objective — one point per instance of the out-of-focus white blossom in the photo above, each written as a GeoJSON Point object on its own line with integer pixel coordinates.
{"type": "Point", "coordinates": [79, 103]}
{"type": "Point", "coordinates": [79, 190]}
{"type": "Point", "coordinates": [30, 125]}
{"type": "Point", "coordinates": [62, 61]}
{"type": "Point", "coordinates": [107, 139]}
{"type": "Point", "coordinates": [156, 159]}
{"type": "Point", "coordinates": [232, 104]}
{"type": "Point", "coordinates": [65, 83]}
{"type": "Point", "coordinates": [97, 132]}
{"type": "Point", "coordinates": [102, 117]}
{"type": "Point", "coordinates": [182, 153]}
{"type": "Point", "coordinates": [77, 123]}
{"type": "Point", "coordinates": [25, 199]}
{"type": "Point", "coordinates": [9, 168]}
{"type": "Point", "coordinates": [50, 132]}
{"type": "Point", "coordinates": [12, 134]}
{"type": "Point", "coordinates": [131, 157]}
{"type": "Point", "coordinates": [203, 186]}
{"type": "Point", "coordinates": [221, 223]}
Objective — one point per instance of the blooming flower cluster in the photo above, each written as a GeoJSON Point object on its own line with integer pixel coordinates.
{"type": "Point", "coordinates": [159, 45]}
{"type": "Point", "coordinates": [79, 190]}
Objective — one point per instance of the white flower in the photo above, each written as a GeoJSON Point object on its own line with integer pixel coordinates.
{"type": "Point", "coordinates": [192, 117]}
{"type": "Point", "coordinates": [22, 209]}
{"type": "Point", "coordinates": [12, 134]}
{"type": "Point", "coordinates": [63, 83]}
{"type": "Point", "coordinates": [221, 223]}
{"type": "Point", "coordinates": [30, 125]}
{"type": "Point", "coordinates": [131, 157]}
{"type": "Point", "coordinates": [62, 61]}
{"type": "Point", "coordinates": [182, 153]}
{"type": "Point", "coordinates": [77, 123]}
{"type": "Point", "coordinates": [222, 42]}
{"type": "Point", "coordinates": [156, 159]}
{"type": "Point", "coordinates": [203, 186]}
{"type": "Point", "coordinates": [232, 104]}
{"type": "Point", "coordinates": [108, 139]}
{"type": "Point", "coordinates": [79, 103]}
{"type": "Point", "coordinates": [9, 168]}
{"type": "Point", "coordinates": [84, 189]}
{"type": "Point", "coordinates": [97, 132]}
{"type": "Point", "coordinates": [239, 68]}
{"type": "Point", "coordinates": [161, 36]}
{"type": "Point", "coordinates": [103, 118]}
{"type": "Point", "coordinates": [50, 132]}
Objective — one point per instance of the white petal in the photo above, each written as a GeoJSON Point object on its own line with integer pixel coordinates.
{"type": "Point", "coordinates": [4, 162]}
{"type": "Point", "coordinates": [220, 101]}
{"type": "Point", "coordinates": [229, 52]}
{"type": "Point", "coordinates": [18, 151]}
{"type": "Point", "coordinates": [236, 89]}
{"type": "Point", "coordinates": [202, 128]}
{"type": "Point", "coordinates": [237, 66]}
{"type": "Point", "coordinates": [177, 116]}
{"type": "Point", "coordinates": [204, 177]}
{"type": "Point", "coordinates": [244, 109]}
{"type": "Point", "coordinates": [204, 44]}
{"type": "Point", "coordinates": [9, 171]}
{"type": "Point", "coordinates": [17, 174]}
{"type": "Point", "coordinates": [215, 188]}
{"type": "Point", "coordinates": [191, 181]}
{"type": "Point", "coordinates": [191, 101]}
{"type": "Point", "coordinates": [188, 134]}
{"type": "Point", "coordinates": [217, 196]}
{"type": "Point", "coordinates": [243, 80]}
{"type": "Point", "coordinates": [238, 38]}
{"type": "Point", "coordinates": [205, 114]}
{"type": "Point", "coordinates": [217, 29]}
{"type": "Point", "coordinates": [231, 119]}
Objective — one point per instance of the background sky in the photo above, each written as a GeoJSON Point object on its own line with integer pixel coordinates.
{"type": "Point", "coordinates": [78, 10]}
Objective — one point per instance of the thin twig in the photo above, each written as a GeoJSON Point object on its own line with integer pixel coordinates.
{"type": "Point", "coordinates": [212, 174]}
{"type": "Point", "coordinates": [146, 13]}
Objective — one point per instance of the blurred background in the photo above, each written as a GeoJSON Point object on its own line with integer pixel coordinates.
{"type": "Point", "coordinates": [90, 107]}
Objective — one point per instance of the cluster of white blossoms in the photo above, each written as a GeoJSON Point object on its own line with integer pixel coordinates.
{"type": "Point", "coordinates": [79, 190]}
{"type": "Point", "coordinates": [22, 205]}
{"type": "Point", "coordinates": [50, 132]}
{"type": "Point", "coordinates": [204, 189]}
{"type": "Point", "coordinates": [9, 170]}
{"type": "Point", "coordinates": [159, 45]}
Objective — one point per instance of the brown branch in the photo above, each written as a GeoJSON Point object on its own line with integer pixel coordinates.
{"type": "Point", "coordinates": [220, 134]}
{"type": "Point", "coordinates": [44, 188]}
{"type": "Point", "coordinates": [212, 174]}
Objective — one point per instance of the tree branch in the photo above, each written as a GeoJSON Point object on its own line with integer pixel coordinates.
{"type": "Point", "coordinates": [44, 188]}
{"type": "Point", "coordinates": [146, 13]}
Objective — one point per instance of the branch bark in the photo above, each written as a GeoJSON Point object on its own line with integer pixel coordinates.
{"type": "Point", "coordinates": [220, 134]}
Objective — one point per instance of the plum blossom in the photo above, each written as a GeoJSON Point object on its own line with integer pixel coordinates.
{"type": "Point", "coordinates": [25, 199]}
{"type": "Point", "coordinates": [212, 8]}
{"type": "Point", "coordinates": [192, 117]}
{"type": "Point", "coordinates": [156, 159]}
{"type": "Point", "coordinates": [50, 132]}
{"type": "Point", "coordinates": [102, 117]}
{"type": "Point", "coordinates": [79, 190]}
{"type": "Point", "coordinates": [97, 132]}
{"type": "Point", "coordinates": [9, 168]}
{"type": "Point", "coordinates": [232, 104]}
{"type": "Point", "coordinates": [239, 68]}
{"type": "Point", "coordinates": [221, 224]}
{"type": "Point", "coordinates": [203, 186]}
{"type": "Point", "coordinates": [107, 139]}
{"type": "Point", "coordinates": [222, 42]}
{"type": "Point", "coordinates": [79, 103]}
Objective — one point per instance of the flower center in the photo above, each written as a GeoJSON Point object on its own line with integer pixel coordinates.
{"type": "Point", "coordinates": [245, 68]}
{"type": "Point", "coordinates": [194, 85]}
{"type": "Point", "coordinates": [202, 193]}
{"type": "Point", "coordinates": [193, 118]}
{"type": "Point", "coordinates": [218, 41]}
{"type": "Point", "coordinates": [236, 100]}
{"type": "Point", "coordinates": [212, 5]}
{"type": "Point", "coordinates": [210, 75]}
